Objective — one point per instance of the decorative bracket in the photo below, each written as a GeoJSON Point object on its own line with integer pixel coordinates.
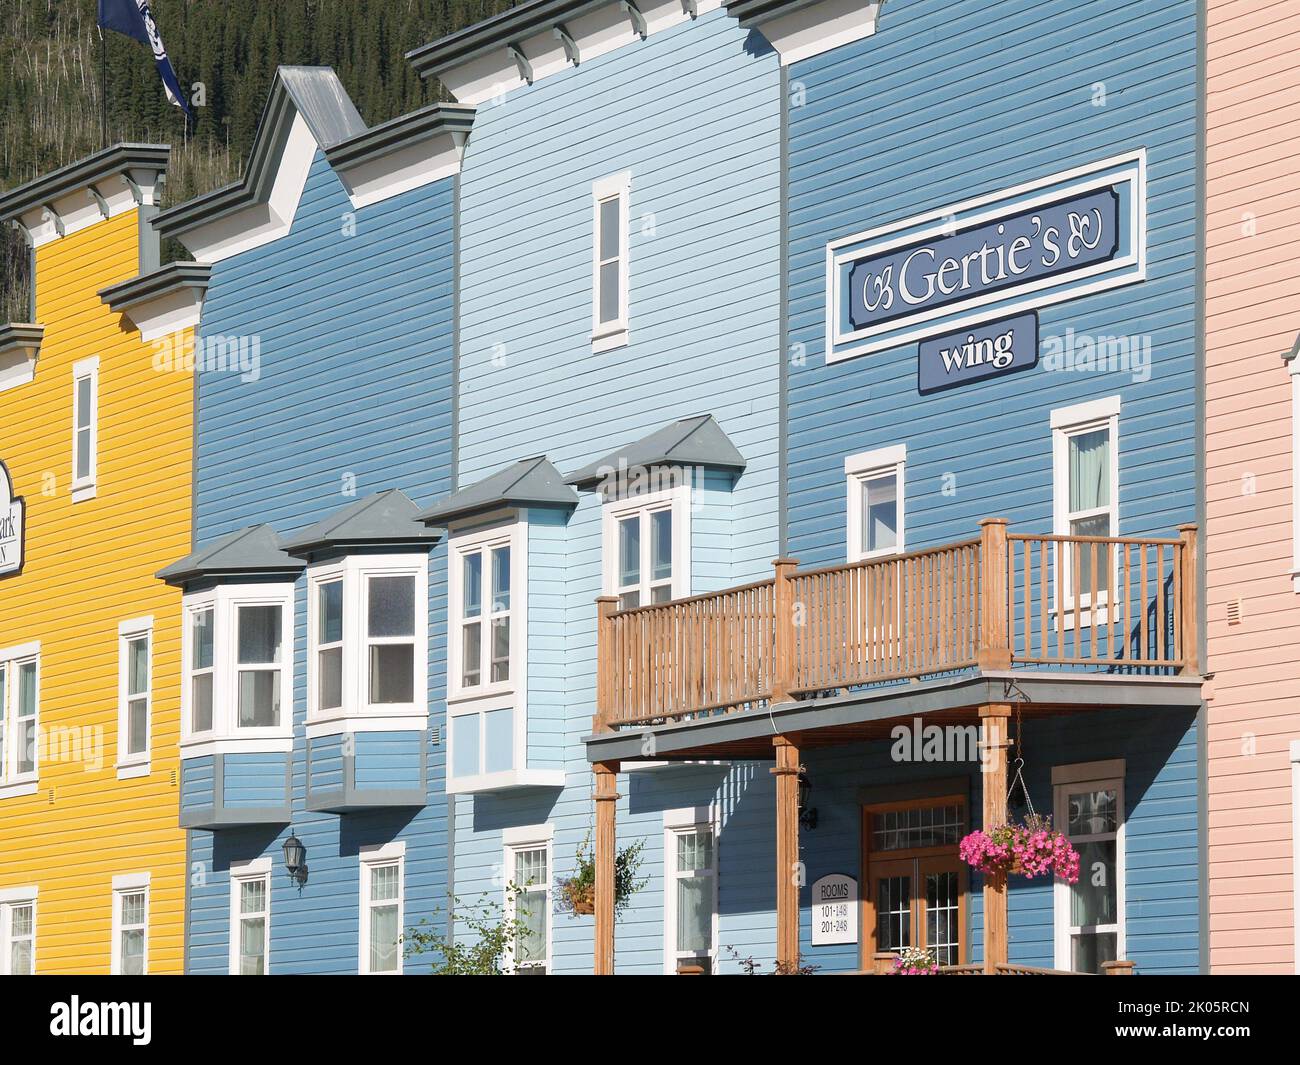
{"type": "Point", "coordinates": [689, 8]}
{"type": "Point", "coordinates": [635, 17]}
{"type": "Point", "coordinates": [570, 45]}
{"type": "Point", "coordinates": [50, 214]}
{"type": "Point", "coordinates": [521, 62]}
{"type": "Point", "coordinates": [93, 193]}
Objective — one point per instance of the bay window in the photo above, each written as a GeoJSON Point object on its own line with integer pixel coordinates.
{"type": "Point", "coordinates": [484, 626]}
{"type": "Point", "coordinates": [646, 552]}
{"type": "Point", "coordinates": [1089, 809]}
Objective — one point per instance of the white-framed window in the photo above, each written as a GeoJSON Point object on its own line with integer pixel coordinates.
{"type": "Point", "coordinates": [609, 268]}
{"type": "Point", "coordinates": [690, 890]}
{"type": "Point", "coordinates": [85, 427]}
{"type": "Point", "coordinates": [1085, 487]}
{"type": "Point", "coordinates": [1088, 801]}
{"type": "Point", "coordinates": [875, 482]}
{"type": "Point", "coordinates": [647, 547]}
{"type": "Point", "coordinates": [528, 898]}
{"type": "Point", "coordinates": [367, 640]}
{"type": "Point", "coordinates": [250, 917]}
{"type": "Point", "coordinates": [237, 647]}
{"type": "Point", "coordinates": [134, 696]}
{"type": "Point", "coordinates": [382, 908]}
{"type": "Point", "coordinates": [1294, 367]}
{"type": "Point", "coordinates": [484, 637]}
{"type": "Point", "coordinates": [131, 925]}
{"type": "Point", "coordinates": [20, 688]}
{"type": "Point", "coordinates": [17, 931]}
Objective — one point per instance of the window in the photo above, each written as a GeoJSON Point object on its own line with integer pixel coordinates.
{"type": "Point", "coordinates": [1294, 367]}
{"type": "Point", "coordinates": [610, 261]}
{"type": "Point", "coordinates": [381, 908]}
{"type": "Point", "coordinates": [690, 891]}
{"type": "Point", "coordinates": [1089, 808]}
{"type": "Point", "coordinates": [135, 641]}
{"type": "Point", "coordinates": [875, 502]}
{"type": "Point", "coordinates": [18, 931]}
{"type": "Point", "coordinates": [528, 898]}
{"type": "Point", "coordinates": [484, 636]}
{"type": "Point", "coordinates": [237, 646]}
{"type": "Point", "coordinates": [85, 427]}
{"type": "Point", "coordinates": [131, 925]}
{"type": "Point", "coordinates": [1085, 470]}
{"type": "Point", "coordinates": [647, 541]}
{"type": "Point", "coordinates": [250, 917]}
{"type": "Point", "coordinates": [367, 635]}
{"type": "Point", "coordinates": [19, 718]}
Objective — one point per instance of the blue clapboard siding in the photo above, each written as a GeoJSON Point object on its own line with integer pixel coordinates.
{"type": "Point", "coordinates": [948, 101]}
{"type": "Point", "coordinates": [693, 113]}
{"type": "Point", "coordinates": [197, 783]}
{"type": "Point", "coordinates": [253, 779]}
{"type": "Point", "coordinates": [387, 760]}
{"type": "Point", "coordinates": [354, 397]}
{"type": "Point", "coordinates": [326, 763]}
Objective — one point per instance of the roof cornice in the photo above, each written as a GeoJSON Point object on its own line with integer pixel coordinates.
{"type": "Point", "coordinates": [81, 175]}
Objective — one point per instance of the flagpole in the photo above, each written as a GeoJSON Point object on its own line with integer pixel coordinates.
{"type": "Point", "coordinates": [103, 85]}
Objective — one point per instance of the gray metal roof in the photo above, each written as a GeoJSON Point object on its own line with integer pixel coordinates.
{"type": "Point", "coordinates": [756, 12]}
{"type": "Point", "coordinates": [20, 335]}
{"type": "Point", "coordinates": [148, 286]}
{"type": "Point", "coordinates": [387, 518]}
{"type": "Point", "coordinates": [695, 441]}
{"type": "Point", "coordinates": [252, 551]}
{"type": "Point", "coordinates": [529, 483]}
{"type": "Point", "coordinates": [510, 27]}
{"type": "Point", "coordinates": [117, 159]}
{"type": "Point", "coordinates": [398, 132]}
{"type": "Point", "coordinates": [313, 92]}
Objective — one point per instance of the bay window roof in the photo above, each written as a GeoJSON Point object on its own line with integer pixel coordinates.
{"type": "Point", "coordinates": [254, 551]}
{"type": "Point", "coordinates": [386, 519]}
{"type": "Point", "coordinates": [695, 441]}
{"type": "Point", "coordinates": [531, 482]}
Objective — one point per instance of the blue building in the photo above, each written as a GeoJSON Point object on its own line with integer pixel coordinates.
{"type": "Point", "coordinates": [315, 603]}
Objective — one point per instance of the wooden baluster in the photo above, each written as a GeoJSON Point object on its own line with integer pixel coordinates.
{"type": "Point", "coordinates": [1076, 593]}
{"type": "Point", "coordinates": [1059, 549]}
{"type": "Point", "coordinates": [1128, 609]}
{"type": "Point", "coordinates": [1142, 566]}
{"type": "Point", "coordinates": [1092, 600]}
{"type": "Point", "coordinates": [1162, 634]}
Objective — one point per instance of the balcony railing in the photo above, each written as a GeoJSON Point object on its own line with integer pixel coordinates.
{"type": "Point", "coordinates": [997, 602]}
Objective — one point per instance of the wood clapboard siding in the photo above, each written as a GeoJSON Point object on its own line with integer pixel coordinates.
{"type": "Point", "coordinates": [354, 396]}
{"type": "Point", "coordinates": [948, 101]}
{"type": "Point", "coordinates": [693, 113]}
{"type": "Point", "coordinates": [1252, 315]}
{"type": "Point", "coordinates": [89, 566]}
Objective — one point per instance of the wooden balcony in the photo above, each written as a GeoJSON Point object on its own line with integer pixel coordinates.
{"type": "Point", "coordinates": [996, 602]}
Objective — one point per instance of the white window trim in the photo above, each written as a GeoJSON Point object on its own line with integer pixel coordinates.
{"type": "Point", "coordinates": [225, 736]}
{"type": "Point", "coordinates": [1095, 776]}
{"type": "Point", "coordinates": [12, 783]}
{"type": "Point", "coordinates": [357, 714]}
{"type": "Point", "coordinates": [676, 822]}
{"type": "Point", "coordinates": [371, 857]}
{"type": "Point", "coordinates": [133, 765]}
{"type": "Point", "coordinates": [1295, 844]}
{"type": "Point", "coordinates": [1067, 422]}
{"type": "Point", "coordinates": [129, 884]}
{"type": "Point", "coordinates": [866, 466]}
{"type": "Point", "coordinates": [1294, 367]}
{"type": "Point", "coordinates": [609, 335]}
{"type": "Point", "coordinates": [678, 499]}
{"type": "Point", "coordinates": [84, 487]}
{"type": "Point", "coordinates": [524, 838]}
{"type": "Point", "coordinates": [10, 898]}
{"type": "Point", "coordinates": [240, 872]}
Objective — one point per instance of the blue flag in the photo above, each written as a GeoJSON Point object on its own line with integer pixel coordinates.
{"type": "Point", "coordinates": [133, 18]}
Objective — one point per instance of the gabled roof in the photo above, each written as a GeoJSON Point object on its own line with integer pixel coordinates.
{"type": "Point", "coordinates": [318, 96]}
{"type": "Point", "coordinates": [529, 483]}
{"type": "Point", "coordinates": [695, 441]}
{"type": "Point", "coordinates": [387, 518]}
{"type": "Point", "coordinates": [249, 552]}
{"type": "Point", "coordinates": [114, 160]}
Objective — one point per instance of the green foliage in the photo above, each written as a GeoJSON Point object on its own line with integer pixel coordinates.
{"type": "Point", "coordinates": [491, 936]}
{"type": "Point", "coordinates": [50, 85]}
{"type": "Point", "coordinates": [627, 863]}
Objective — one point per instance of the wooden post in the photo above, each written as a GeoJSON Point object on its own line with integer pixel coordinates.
{"type": "Point", "coordinates": [995, 740]}
{"type": "Point", "coordinates": [600, 721]}
{"type": "Point", "coordinates": [994, 641]}
{"type": "Point", "coordinates": [783, 620]}
{"type": "Point", "coordinates": [606, 779]}
{"type": "Point", "coordinates": [1189, 607]}
{"type": "Point", "coordinates": [787, 853]}
{"type": "Point", "coordinates": [1119, 968]}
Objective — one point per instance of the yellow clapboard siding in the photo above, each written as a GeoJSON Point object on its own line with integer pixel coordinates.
{"type": "Point", "coordinates": [89, 566]}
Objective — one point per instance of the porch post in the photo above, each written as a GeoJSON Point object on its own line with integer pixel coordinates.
{"type": "Point", "coordinates": [783, 630]}
{"type": "Point", "coordinates": [787, 853]}
{"type": "Point", "coordinates": [606, 779]}
{"type": "Point", "coordinates": [995, 739]}
{"type": "Point", "coordinates": [1188, 609]}
{"type": "Point", "coordinates": [994, 641]}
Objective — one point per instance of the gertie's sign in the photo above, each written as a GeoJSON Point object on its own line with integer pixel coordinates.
{"type": "Point", "coordinates": [12, 520]}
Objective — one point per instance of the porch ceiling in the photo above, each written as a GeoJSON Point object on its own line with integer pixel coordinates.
{"type": "Point", "coordinates": [869, 715]}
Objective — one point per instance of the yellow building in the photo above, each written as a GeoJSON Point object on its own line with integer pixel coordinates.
{"type": "Point", "coordinates": [95, 497]}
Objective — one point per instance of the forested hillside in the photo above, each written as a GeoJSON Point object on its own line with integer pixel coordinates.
{"type": "Point", "coordinates": [50, 97]}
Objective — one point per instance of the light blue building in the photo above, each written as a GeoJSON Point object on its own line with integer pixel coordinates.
{"type": "Point", "coordinates": [313, 750]}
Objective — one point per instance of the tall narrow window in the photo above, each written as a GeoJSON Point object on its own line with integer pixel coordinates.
{"type": "Point", "coordinates": [530, 903]}
{"type": "Point", "coordinates": [329, 645]}
{"type": "Point", "coordinates": [381, 916]}
{"type": "Point", "coordinates": [259, 651]}
{"type": "Point", "coordinates": [252, 917]}
{"type": "Point", "coordinates": [18, 935]}
{"type": "Point", "coordinates": [391, 639]}
{"type": "Point", "coordinates": [201, 669]}
{"type": "Point", "coordinates": [85, 427]}
{"type": "Point", "coordinates": [1086, 475]}
{"type": "Point", "coordinates": [1089, 913]}
{"type": "Point", "coordinates": [646, 546]}
{"type": "Point", "coordinates": [19, 714]}
{"type": "Point", "coordinates": [610, 261]}
{"type": "Point", "coordinates": [485, 624]}
{"type": "Point", "coordinates": [135, 639]}
{"type": "Point", "coordinates": [692, 898]}
{"type": "Point", "coordinates": [131, 930]}
{"type": "Point", "coordinates": [875, 497]}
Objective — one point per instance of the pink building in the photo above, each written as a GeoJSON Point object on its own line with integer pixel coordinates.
{"type": "Point", "coordinates": [1252, 311]}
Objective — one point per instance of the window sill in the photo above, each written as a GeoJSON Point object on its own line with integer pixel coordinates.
{"type": "Point", "coordinates": [366, 721]}
{"type": "Point", "coordinates": [132, 770]}
{"type": "Point", "coordinates": [17, 788]}
{"type": "Point", "coordinates": [496, 691]}
{"type": "Point", "coordinates": [609, 338]}
{"type": "Point", "coordinates": [508, 781]}
{"type": "Point", "coordinates": [82, 493]}
{"type": "Point", "coordinates": [1064, 619]}
{"type": "Point", "coordinates": [199, 748]}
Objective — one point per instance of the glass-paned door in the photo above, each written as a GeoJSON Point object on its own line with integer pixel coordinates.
{"type": "Point", "coordinates": [919, 902]}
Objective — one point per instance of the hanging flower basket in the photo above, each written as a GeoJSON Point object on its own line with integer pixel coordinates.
{"type": "Point", "coordinates": [914, 961]}
{"type": "Point", "coordinates": [582, 897]}
{"type": "Point", "coordinates": [1029, 849]}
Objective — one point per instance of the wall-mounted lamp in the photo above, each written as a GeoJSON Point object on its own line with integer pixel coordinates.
{"type": "Point", "coordinates": [807, 816]}
{"type": "Point", "coordinates": [294, 858]}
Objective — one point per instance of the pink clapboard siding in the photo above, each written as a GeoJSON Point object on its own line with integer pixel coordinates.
{"type": "Point", "coordinates": [1252, 316]}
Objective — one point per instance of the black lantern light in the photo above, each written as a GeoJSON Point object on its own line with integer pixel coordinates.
{"type": "Point", "coordinates": [294, 853]}
{"type": "Point", "coordinates": [807, 816]}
